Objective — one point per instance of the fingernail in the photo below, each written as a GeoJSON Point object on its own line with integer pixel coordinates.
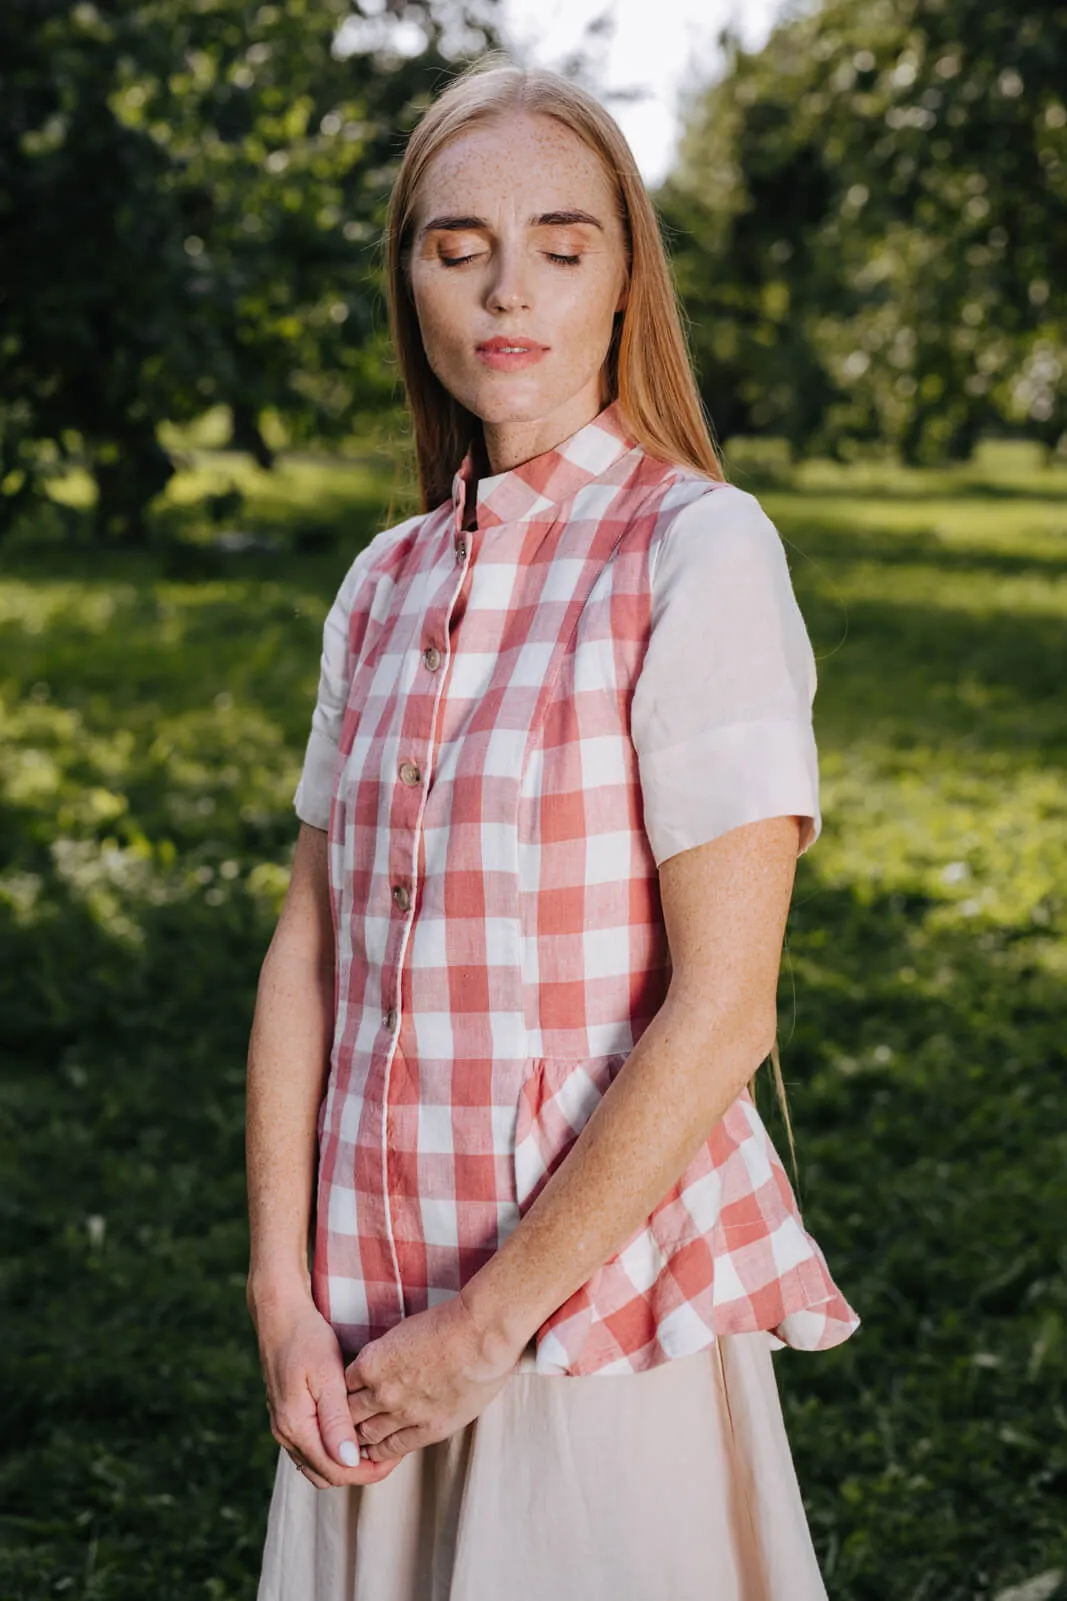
{"type": "Point", "coordinates": [348, 1451]}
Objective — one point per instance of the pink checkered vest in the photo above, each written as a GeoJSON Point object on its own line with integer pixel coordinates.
{"type": "Point", "coordinates": [499, 933]}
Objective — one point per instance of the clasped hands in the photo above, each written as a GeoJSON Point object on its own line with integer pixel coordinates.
{"type": "Point", "coordinates": [421, 1381]}
{"type": "Point", "coordinates": [418, 1383]}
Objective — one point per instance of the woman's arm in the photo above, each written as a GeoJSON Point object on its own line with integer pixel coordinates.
{"type": "Point", "coordinates": [725, 905]}
{"type": "Point", "coordinates": [288, 1057]}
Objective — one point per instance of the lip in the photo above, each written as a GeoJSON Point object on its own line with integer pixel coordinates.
{"type": "Point", "coordinates": [495, 353]}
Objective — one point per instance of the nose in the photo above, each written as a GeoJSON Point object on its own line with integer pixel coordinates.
{"type": "Point", "coordinates": [508, 289]}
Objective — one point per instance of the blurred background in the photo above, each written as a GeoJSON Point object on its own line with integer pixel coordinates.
{"type": "Point", "coordinates": [200, 425]}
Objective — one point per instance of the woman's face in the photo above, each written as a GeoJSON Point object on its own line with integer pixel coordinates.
{"type": "Point", "coordinates": [516, 241]}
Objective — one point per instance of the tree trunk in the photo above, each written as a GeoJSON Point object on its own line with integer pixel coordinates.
{"type": "Point", "coordinates": [128, 478]}
{"type": "Point", "coordinates": [246, 436]}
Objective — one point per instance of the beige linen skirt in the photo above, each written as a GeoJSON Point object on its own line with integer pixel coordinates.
{"type": "Point", "coordinates": [676, 1484]}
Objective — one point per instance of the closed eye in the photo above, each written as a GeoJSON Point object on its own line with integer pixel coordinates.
{"type": "Point", "coordinates": [458, 261]}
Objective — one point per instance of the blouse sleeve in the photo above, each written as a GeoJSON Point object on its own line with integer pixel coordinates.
{"type": "Point", "coordinates": [721, 711]}
{"type": "Point", "coordinates": [315, 789]}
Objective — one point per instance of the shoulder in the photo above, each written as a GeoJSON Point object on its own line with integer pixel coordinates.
{"type": "Point", "coordinates": [712, 530]}
{"type": "Point", "coordinates": [721, 585]}
{"type": "Point", "coordinates": [380, 556]}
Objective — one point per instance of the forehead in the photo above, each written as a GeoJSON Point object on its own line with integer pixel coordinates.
{"type": "Point", "coordinates": [530, 163]}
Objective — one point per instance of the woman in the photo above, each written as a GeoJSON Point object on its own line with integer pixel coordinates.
{"type": "Point", "coordinates": [559, 774]}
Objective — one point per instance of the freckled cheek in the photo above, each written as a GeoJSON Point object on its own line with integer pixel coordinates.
{"type": "Point", "coordinates": [444, 321]}
{"type": "Point", "coordinates": [585, 321]}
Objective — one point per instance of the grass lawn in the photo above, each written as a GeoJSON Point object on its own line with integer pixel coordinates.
{"type": "Point", "coordinates": [154, 716]}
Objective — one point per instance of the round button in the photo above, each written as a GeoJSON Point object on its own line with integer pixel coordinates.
{"type": "Point", "coordinates": [461, 550]}
{"type": "Point", "coordinates": [409, 773]}
{"type": "Point", "coordinates": [401, 897]}
{"type": "Point", "coordinates": [389, 1020]}
{"type": "Point", "coordinates": [431, 658]}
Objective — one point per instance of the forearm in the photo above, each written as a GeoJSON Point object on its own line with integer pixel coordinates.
{"type": "Point", "coordinates": [288, 1059]}
{"type": "Point", "coordinates": [725, 904]}
{"type": "Point", "coordinates": [684, 1072]}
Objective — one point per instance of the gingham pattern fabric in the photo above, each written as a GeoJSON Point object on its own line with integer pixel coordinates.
{"type": "Point", "coordinates": [499, 933]}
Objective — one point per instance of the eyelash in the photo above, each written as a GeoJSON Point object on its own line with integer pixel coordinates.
{"type": "Point", "coordinates": [565, 261]}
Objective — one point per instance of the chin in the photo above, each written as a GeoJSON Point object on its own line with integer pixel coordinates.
{"type": "Point", "coordinates": [502, 408]}
{"type": "Point", "coordinates": [509, 399]}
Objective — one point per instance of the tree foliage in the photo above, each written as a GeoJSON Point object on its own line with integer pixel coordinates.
{"type": "Point", "coordinates": [191, 195]}
{"type": "Point", "coordinates": [871, 226]}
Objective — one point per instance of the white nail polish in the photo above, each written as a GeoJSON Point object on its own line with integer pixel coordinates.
{"type": "Point", "coordinates": [349, 1453]}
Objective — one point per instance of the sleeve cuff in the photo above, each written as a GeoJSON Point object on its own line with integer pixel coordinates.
{"type": "Point", "coordinates": [739, 773]}
{"type": "Point", "coordinates": [315, 789]}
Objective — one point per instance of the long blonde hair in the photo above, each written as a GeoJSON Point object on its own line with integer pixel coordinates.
{"type": "Point", "coordinates": [648, 369]}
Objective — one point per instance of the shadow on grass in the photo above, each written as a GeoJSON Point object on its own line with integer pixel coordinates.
{"type": "Point", "coordinates": [821, 540]}
{"type": "Point", "coordinates": [926, 1075]}
{"type": "Point", "coordinates": [181, 709]}
{"type": "Point", "coordinates": [1032, 490]}
{"type": "Point", "coordinates": [136, 1449]}
{"type": "Point", "coordinates": [962, 684]}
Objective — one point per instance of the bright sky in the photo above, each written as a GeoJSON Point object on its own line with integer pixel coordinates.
{"type": "Point", "coordinates": [657, 45]}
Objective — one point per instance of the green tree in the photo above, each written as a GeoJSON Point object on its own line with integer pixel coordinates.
{"type": "Point", "coordinates": [191, 196]}
{"type": "Point", "coordinates": [870, 218]}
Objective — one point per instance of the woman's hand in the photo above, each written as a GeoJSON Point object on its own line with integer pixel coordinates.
{"type": "Point", "coordinates": [304, 1371]}
{"type": "Point", "coordinates": [288, 1062]}
{"type": "Point", "coordinates": [424, 1379]}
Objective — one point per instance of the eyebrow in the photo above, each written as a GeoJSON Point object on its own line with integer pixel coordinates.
{"type": "Point", "coordinates": [547, 219]}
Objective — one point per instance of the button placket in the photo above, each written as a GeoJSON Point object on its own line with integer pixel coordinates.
{"type": "Point", "coordinates": [413, 773]}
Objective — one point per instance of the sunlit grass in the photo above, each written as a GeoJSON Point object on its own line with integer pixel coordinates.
{"type": "Point", "coordinates": [365, 475]}
{"type": "Point", "coordinates": [153, 726]}
{"type": "Point", "coordinates": [293, 491]}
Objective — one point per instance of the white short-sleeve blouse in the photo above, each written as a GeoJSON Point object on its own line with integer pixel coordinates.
{"type": "Point", "coordinates": [721, 714]}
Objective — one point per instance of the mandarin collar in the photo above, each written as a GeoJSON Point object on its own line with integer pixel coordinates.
{"type": "Point", "coordinates": [533, 487]}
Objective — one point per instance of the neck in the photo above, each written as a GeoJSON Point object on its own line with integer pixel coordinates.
{"type": "Point", "coordinates": [509, 444]}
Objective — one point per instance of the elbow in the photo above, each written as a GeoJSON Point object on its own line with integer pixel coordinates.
{"type": "Point", "coordinates": [744, 1032]}
{"type": "Point", "coordinates": [764, 1033]}
{"type": "Point", "coordinates": [753, 1036]}
{"type": "Point", "coordinates": [301, 956]}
